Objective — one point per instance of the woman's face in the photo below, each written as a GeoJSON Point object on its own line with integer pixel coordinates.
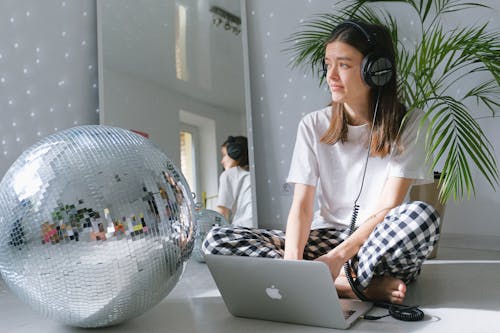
{"type": "Point", "coordinates": [343, 63]}
{"type": "Point", "coordinates": [226, 161]}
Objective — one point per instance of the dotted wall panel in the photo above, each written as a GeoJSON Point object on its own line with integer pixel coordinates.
{"type": "Point", "coordinates": [48, 71]}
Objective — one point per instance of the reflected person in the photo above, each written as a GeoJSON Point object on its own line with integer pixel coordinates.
{"type": "Point", "coordinates": [234, 200]}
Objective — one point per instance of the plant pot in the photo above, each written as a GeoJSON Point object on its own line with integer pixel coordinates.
{"type": "Point", "coordinates": [429, 193]}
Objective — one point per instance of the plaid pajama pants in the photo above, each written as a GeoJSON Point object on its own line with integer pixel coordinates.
{"type": "Point", "coordinates": [397, 246]}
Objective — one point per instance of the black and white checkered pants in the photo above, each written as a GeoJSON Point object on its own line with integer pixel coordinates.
{"type": "Point", "coordinates": [397, 246]}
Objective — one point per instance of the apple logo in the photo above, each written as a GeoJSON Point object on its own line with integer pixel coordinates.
{"type": "Point", "coordinates": [273, 292]}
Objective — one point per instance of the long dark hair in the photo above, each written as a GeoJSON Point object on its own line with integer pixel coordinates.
{"type": "Point", "coordinates": [391, 111]}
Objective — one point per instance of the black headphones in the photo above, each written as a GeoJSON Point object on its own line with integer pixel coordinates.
{"type": "Point", "coordinates": [234, 148]}
{"type": "Point", "coordinates": [377, 69]}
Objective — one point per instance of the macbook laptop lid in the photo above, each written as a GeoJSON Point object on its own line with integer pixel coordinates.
{"type": "Point", "coordinates": [292, 291]}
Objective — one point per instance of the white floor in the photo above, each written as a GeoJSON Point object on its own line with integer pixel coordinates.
{"type": "Point", "coordinates": [459, 291]}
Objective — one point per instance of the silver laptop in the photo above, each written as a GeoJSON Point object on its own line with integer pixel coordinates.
{"type": "Point", "coordinates": [291, 291]}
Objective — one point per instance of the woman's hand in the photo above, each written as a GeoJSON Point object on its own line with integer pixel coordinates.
{"type": "Point", "coordinates": [224, 212]}
{"type": "Point", "coordinates": [334, 261]}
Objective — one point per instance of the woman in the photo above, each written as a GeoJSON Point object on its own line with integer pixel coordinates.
{"type": "Point", "coordinates": [356, 152]}
{"type": "Point", "coordinates": [234, 200]}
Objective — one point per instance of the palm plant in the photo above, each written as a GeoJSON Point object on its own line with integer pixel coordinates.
{"type": "Point", "coordinates": [428, 70]}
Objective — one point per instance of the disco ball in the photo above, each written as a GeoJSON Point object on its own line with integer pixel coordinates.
{"type": "Point", "coordinates": [206, 220]}
{"type": "Point", "coordinates": [96, 225]}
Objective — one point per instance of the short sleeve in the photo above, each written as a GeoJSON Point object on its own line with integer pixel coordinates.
{"type": "Point", "coordinates": [411, 161]}
{"type": "Point", "coordinates": [225, 197]}
{"type": "Point", "coordinates": [304, 164]}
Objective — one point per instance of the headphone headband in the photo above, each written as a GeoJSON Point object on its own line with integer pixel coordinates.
{"type": "Point", "coordinates": [359, 26]}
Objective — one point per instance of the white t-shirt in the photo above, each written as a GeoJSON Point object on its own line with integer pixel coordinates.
{"type": "Point", "coordinates": [336, 170]}
{"type": "Point", "coordinates": [235, 193]}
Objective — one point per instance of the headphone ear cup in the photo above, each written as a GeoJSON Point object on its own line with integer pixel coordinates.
{"type": "Point", "coordinates": [376, 70]}
{"type": "Point", "coordinates": [234, 150]}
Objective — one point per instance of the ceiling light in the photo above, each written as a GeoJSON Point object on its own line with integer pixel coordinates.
{"type": "Point", "coordinates": [232, 22]}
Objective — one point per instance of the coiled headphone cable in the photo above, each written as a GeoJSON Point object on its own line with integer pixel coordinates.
{"type": "Point", "coordinates": [397, 311]}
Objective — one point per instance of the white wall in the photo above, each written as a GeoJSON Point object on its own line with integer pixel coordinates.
{"type": "Point", "coordinates": [133, 103]}
{"type": "Point", "coordinates": [281, 96]}
{"type": "Point", "coordinates": [136, 104]}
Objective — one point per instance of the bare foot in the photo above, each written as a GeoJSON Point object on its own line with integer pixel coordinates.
{"type": "Point", "coordinates": [382, 288]}
{"type": "Point", "coordinates": [386, 288]}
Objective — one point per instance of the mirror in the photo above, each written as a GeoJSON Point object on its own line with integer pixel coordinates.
{"type": "Point", "coordinates": [172, 66]}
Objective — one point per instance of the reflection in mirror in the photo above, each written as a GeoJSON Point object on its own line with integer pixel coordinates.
{"type": "Point", "coordinates": [175, 71]}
